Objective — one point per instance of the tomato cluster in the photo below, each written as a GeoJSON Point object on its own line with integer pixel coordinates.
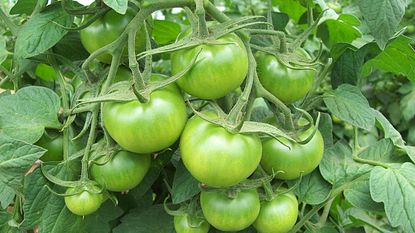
{"type": "Point", "coordinates": [216, 157]}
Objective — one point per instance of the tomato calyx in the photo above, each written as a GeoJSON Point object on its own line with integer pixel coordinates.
{"type": "Point", "coordinates": [190, 210]}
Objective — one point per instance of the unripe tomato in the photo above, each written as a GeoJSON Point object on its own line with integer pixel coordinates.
{"type": "Point", "coordinates": [227, 214]}
{"type": "Point", "coordinates": [294, 160]}
{"type": "Point", "coordinates": [107, 29]}
{"type": "Point", "coordinates": [217, 157]}
{"type": "Point", "coordinates": [84, 203]}
{"type": "Point", "coordinates": [123, 172]}
{"type": "Point", "coordinates": [182, 225]}
{"type": "Point", "coordinates": [147, 127]}
{"type": "Point", "coordinates": [53, 143]}
{"type": "Point", "coordinates": [278, 215]}
{"type": "Point", "coordinates": [286, 84]}
{"type": "Point", "coordinates": [218, 70]}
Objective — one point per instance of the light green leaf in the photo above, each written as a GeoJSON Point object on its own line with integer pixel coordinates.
{"type": "Point", "coordinates": [359, 196]}
{"type": "Point", "coordinates": [293, 8]}
{"type": "Point", "coordinates": [165, 32]}
{"type": "Point", "coordinates": [16, 157]}
{"type": "Point", "coordinates": [396, 189]}
{"type": "Point", "coordinates": [349, 104]}
{"type": "Point", "coordinates": [382, 17]}
{"type": "Point", "coordinates": [27, 113]}
{"type": "Point", "coordinates": [42, 31]}
{"type": "Point", "coordinates": [340, 30]}
{"type": "Point", "coordinates": [397, 58]}
{"type": "Point", "coordinates": [120, 6]}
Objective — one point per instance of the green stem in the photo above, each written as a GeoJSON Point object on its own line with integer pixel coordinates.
{"type": "Point", "coordinates": [65, 104]}
{"type": "Point", "coordinates": [326, 212]}
{"type": "Point", "coordinates": [370, 162]}
{"type": "Point", "coordinates": [267, 185]}
{"type": "Point", "coordinates": [13, 27]}
{"type": "Point", "coordinates": [201, 14]}
{"type": "Point", "coordinates": [78, 110]}
{"type": "Point", "coordinates": [91, 139]}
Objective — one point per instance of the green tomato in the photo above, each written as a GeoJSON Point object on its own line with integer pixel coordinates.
{"type": "Point", "coordinates": [85, 202]}
{"type": "Point", "coordinates": [278, 215]}
{"type": "Point", "coordinates": [53, 143]}
{"type": "Point", "coordinates": [123, 172]}
{"type": "Point", "coordinates": [217, 157]}
{"type": "Point", "coordinates": [107, 29]}
{"type": "Point", "coordinates": [182, 225]}
{"type": "Point", "coordinates": [147, 127]}
{"type": "Point", "coordinates": [286, 84]}
{"type": "Point", "coordinates": [227, 214]}
{"type": "Point", "coordinates": [294, 160]}
{"type": "Point", "coordinates": [219, 69]}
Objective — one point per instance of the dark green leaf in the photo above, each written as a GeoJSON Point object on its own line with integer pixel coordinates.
{"type": "Point", "coordinates": [185, 186]}
{"type": "Point", "coordinates": [42, 31]}
{"type": "Point", "coordinates": [153, 219]}
{"type": "Point", "coordinates": [23, 7]}
{"type": "Point", "coordinates": [326, 129]}
{"type": "Point", "coordinates": [16, 157]}
{"type": "Point", "coordinates": [349, 104]}
{"type": "Point", "coordinates": [360, 217]}
{"type": "Point", "coordinates": [340, 30]}
{"type": "Point", "coordinates": [280, 20]}
{"type": "Point", "coordinates": [27, 113]}
{"type": "Point", "coordinates": [396, 189]}
{"type": "Point", "coordinates": [398, 58]}
{"type": "Point", "coordinates": [313, 189]}
{"type": "Point", "coordinates": [70, 47]}
{"type": "Point", "coordinates": [120, 6]}
{"type": "Point", "coordinates": [165, 32]}
{"type": "Point", "coordinates": [382, 17]}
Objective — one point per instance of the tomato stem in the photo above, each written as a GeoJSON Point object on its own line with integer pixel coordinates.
{"type": "Point", "coordinates": [201, 14]}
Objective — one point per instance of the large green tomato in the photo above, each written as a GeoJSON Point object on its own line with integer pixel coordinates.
{"type": "Point", "coordinates": [217, 157]}
{"type": "Point", "coordinates": [278, 215]}
{"type": "Point", "coordinates": [147, 127]}
{"type": "Point", "coordinates": [83, 203]}
{"type": "Point", "coordinates": [53, 143]}
{"type": "Point", "coordinates": [123, 172]}
{"type": "Point", "coordinates": [286, 84]}
{"type": "Point", "coordinates": [228, 214]}
{"type": "Point", "coordinates": [219, 69]}
{"type": "Point", "coordinates": [182, 225]}
{"type": "Point", "coordinates": [107, 29]}
{"type": "Point", "coordinates": [293, 161]}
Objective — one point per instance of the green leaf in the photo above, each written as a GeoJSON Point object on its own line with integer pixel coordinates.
{"type": "Point", "coordinates": [338, 166]}
{"type": "Point", "coordinates": [45, 72]}
{"type": "Point", "coordinates": [260, 111]}
{"type": "Point", "coordinates": [70, 46]}
{"type": "Point", "coordinates": [390, 132]}
{"type": "Point", "coordinates": [23, 7]}
{"type": "Point", "coordinates": [312, 189]}
{"type": "Point", "coordinates": [153, 219]}
{"type": "Point", "coordinates": [340, 30]}
{"type": "Point", "coordinates": [407, 104]}
{"type": "Point", "coordinates": [326, 129]}
{"type": "Point", "coordinates": [27, 113]}
{"type": "Point", "coordinates": [120, 6]}
{"type": "Point", "coordinates": [185, 186]}
{"type": "Point", "coordinates": [398, 58]}
{"type": "Point", "coordinates": [16, 157]}
{"type": "Point", "coordinates": [280, 20]}
{"type": "Point", "coordinates": [42, 31]}
{"type": "Point", "coordinates": [6, 196]}
{"type": "Point", "coordinates": [5, 220]}
{"type": "Point", "coordinates": [382, 17]}
{"type": "Point", "coordinates": [359, 196]}
{"type": "Point", "coordinates": [383, 151]}
{"type": "Point", "coordinates": [101, 221]}
{"type": "Point", "coordinates": [360, 217]}
{"type": "Point", "coordinates": [349, 104]}
{"type": "Point", "coordinates": [293, 8]}
{"type": "Point", "coordinates": [165, 32]}
{"type": "Point", "coordinates": [396, 189]}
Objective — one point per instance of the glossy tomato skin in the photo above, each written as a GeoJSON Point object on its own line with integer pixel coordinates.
{"type": "Point", "coordinates": [147, 127]}
{"type": "Point", "coordinates": [108, 28]}
{"type": "Point", "coordinates": [286, 84]}
{"type": "Point", "coordinates": [182, 225]}
{"type": "Point", "coordinates": [300, 159]}
{"type": "Point", "coordinates": [123, 172]}
{"type": "Point", "coordinates": [228, 214]}
{"type": "Point", "coordinates": [216, 157]}
{"type": "Point", "coordinates": [53, 143]}
{"type": "Point", "coordinates": [219, 69]}
{"type": "Point", "coordinates": [278, 215]}
{"type": "Point", "coordinates": [84, 203]}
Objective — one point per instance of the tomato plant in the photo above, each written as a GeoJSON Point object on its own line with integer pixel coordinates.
{"type": "Point", "coordinates": [228, 57]}
{"type": "Point", "coordinates": [107, 29]}
{"type": "Point", "coordinates": [83, 202]}
{"type": "Point", "coordinates": [230, 213]}
{"type": "Point", "coordinates": [217, 157]}
{"type": "Point", "coordinates": [277, 215]}
{"type": "Point", "coordinates": [122, 172]}
{"type": "Point", "coordinates": [147, 127]}
{"type": "Point", "coordinates": [289, 85]}
{"type": "Point", "coordinates": [154, 116]}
